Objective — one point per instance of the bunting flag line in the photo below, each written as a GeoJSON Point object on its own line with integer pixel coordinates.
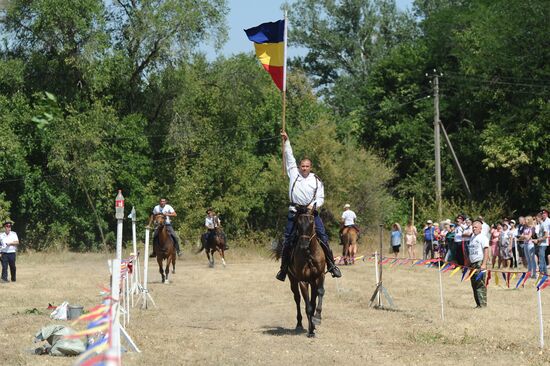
{"type": "Point", "coordinates": [269, 42]}
{"type": "Point", "coordinates": [467, 272]}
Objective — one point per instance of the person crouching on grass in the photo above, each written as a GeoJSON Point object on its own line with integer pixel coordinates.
{"type": "Point", "coordinates": [478, 254]}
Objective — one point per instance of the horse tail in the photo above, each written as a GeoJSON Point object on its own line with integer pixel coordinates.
{"type": "Point", "coordinates": [276, 249]}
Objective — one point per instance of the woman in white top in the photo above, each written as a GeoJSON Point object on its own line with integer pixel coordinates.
{"type": "Point", "coordinates": [410, 239]}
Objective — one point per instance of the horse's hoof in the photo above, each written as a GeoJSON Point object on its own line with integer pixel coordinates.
{"type": "Point", "coordinates": [166, 282]}
{"type": "Point", "coordinates": [316, 320]}
{"type": "Point", "coordinates": [311, 335]}
{"type": "Point", "coordinates": [173, 272]}
{"type": "Point", "coordinates": [299, 328]}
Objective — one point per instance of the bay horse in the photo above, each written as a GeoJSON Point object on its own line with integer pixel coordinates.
{"type": "Point", "coordinates": [165, 248]}
{"type": "Point", "coordinates": [214, 243]}
{"type": "Point", "coordinates": [306, 270]}
{"type": "Point", "coordinates": [349, 243]}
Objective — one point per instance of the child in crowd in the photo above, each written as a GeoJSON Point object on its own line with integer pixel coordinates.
{"type": "Point", "coordinates": [494, 247]}
{"type": "Point", "coordinates": [395, 239]}
{"type": "Point", "coordinates": [505, 248]}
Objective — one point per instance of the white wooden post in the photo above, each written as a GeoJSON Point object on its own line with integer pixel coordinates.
{"type": "Point", "coordinates": [377, 274]}
{"type": "Point", "coordinates": [440, 289]}
{"type": "Point", "coordinates": [541, 325]}
{"type": "Point", "coordinates": [114, 351]}
{"type": "Point", "coordinates": [145, 295]}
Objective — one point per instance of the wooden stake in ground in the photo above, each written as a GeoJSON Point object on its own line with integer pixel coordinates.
{"type": "Point", "coordinates": [379, 286]}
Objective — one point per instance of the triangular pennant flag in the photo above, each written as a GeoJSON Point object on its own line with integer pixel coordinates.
{"type": "Point", "coordinates": [508, 279]}
{"type": "Point", "coordinates": [488, 278]}
{"type": "Point", "coordinates": [451, 267]}
{"type": "Point", "coordinates": [445, 267]}
{"type": "Point", "coordinates": [542, 280]}
{"type": "Point", "coordinates": [472, 272]}
{"type": "Point", "coordinates": [455, 271]}
{"type": "Point", "coordinates": [544, 285]}
{"type": "Point", "coordinates": [479, 275]}
{"type": "Point", "coordinates": [521, 279]}
{"type": "Point", "coordinates": [497, 281]}
{"type": "Point", "coordinates": [464, 273]}
{"type": "Point", "coordinates": [526, 278]}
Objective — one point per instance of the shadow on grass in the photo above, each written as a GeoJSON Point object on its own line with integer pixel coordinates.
{"type": "Point", "coordinates": [280, 331]}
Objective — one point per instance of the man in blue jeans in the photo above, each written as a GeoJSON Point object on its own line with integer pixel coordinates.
{"type": "Point", "coordinates": [429, 237]}
{"type": "Point", "coordinates": [8, 246]}
{"type": "Point", "coordinates": [306, 190]}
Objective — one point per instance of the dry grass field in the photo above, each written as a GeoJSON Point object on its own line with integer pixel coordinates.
{"type": "Point", "coordinates": [240, 315]}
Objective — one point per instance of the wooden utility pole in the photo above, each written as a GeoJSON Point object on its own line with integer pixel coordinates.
{"type": "Point", "coordinates": [437, 147]}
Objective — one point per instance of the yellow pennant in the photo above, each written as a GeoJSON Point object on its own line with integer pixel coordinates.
{"type": "Point", "coordinates": [458, 268]}
{"type": "Point", "coordinates": [472, 272]}
{"type": "Point", "coordinates": [497, 281]}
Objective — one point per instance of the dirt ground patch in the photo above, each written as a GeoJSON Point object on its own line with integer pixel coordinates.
{"type": "Point", "coordinates": [241, 315]}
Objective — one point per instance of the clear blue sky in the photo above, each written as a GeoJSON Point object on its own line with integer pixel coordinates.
{"type": "Point", "coordinates": [249, 13]}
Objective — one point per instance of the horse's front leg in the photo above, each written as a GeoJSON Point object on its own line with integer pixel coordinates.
{"type": "Point", "coordinates": [167, 269]}
{"type": "Point", "coordinates": [320, 293]}
{"type": "Point", "coordinates": [313, 303]}
{"type": "Point", "coordinates": [210, 256]}
{"type": "Point", "coordinates": [159, 261]}
{"type": "Point", "coordinates": [296, 292]}
{"type": "Point", "coordinates": [222, 254]}
{"type": "Point", "coordinates": [304, 289]}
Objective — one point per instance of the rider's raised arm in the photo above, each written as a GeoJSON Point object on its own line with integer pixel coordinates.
{"type": "Point", "coordinates": [291, 167]}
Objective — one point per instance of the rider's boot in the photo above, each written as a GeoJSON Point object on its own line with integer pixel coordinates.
{"type": "Point", "coordinates": [177, 245]}
{"type": "Point", "coordinates": [331, 266]}
{"type": "Point", "coordinates": [285, 259]}
{"type": "Point", "coordinates": [155, 243]}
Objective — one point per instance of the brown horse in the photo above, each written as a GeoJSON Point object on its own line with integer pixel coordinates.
{"type": "Point", "coordinates": [307, 270]}
{"type": "Point", "coordinates": [165, 248]}
{"type": "Point", "coordinates": [349, 243]}
{"type": "Point", "coordinates": [215, 242]}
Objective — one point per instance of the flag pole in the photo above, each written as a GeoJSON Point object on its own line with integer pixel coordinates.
{"type": "Point", "coordinates": [284, 94]}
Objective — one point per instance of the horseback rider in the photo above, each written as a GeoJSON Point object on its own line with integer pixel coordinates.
{"type": "Point", "coordinates": [211, 222]}
{"type": "Point", "coordinates": [168, 211]}
{"type": "Point", "coordinates": [307, 190]}
{"type": "Point", "coordinates": [348, 219]}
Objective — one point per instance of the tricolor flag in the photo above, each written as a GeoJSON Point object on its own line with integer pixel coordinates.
{"type": "Point", "coordinates": [270, 43]}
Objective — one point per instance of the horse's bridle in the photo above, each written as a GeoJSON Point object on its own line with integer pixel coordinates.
{"type": "Point", "coordinates": [309, 238]}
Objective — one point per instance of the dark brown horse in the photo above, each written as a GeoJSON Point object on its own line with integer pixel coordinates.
{"type": "Point", "coordinates": [349, 243]}
{"type": "Point", "coordinates": [165, 248]}
{"type": "Point", "coordinates": [215, 242]}
{"type": "Point", "coordinates": [306, 271]}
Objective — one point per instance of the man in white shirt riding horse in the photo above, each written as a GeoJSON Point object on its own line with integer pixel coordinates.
{"type": "Point", "coordinates": [305, 190]}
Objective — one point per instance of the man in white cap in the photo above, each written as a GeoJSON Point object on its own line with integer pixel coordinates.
{"type": "Point", "coordinates": [8, 246]}
{"type": "Point", "coordinates": [348, 218]}
{"type": "Point", "coordinates": [429, 237]}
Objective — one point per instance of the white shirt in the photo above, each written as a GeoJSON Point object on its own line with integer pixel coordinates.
{"type": "Point", "coordinates": [545, 228]}
{"type": "Point", "coordinates": [164, 210]}
{"type": "Point", "coordinates": [6, 239]}
{"type": "Point", "coordinates": [458, 232]}
{"type": "Point", "coordinates": [486, 230]}
{"type": "Point", "coordinates": [302, 191]}
{"type": "Point", "coordinates": [349, 217]}
{"type": "Point", "coordinates": [476, 246]}
{"type": "Point", "coordinates": [212, 222]}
